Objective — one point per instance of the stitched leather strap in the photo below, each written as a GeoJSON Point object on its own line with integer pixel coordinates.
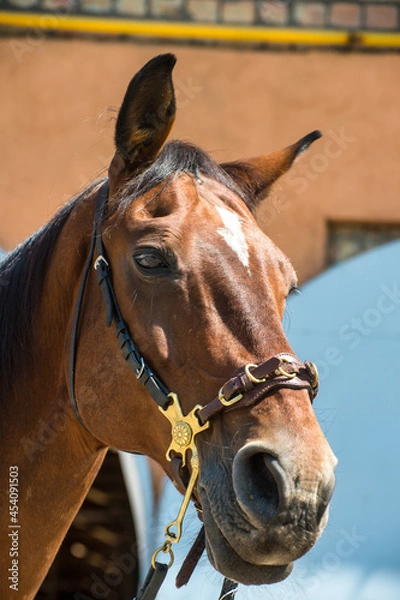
{"type": "Point", "coordinates": [131, 353]}
{"type": "Point", "coordinates": [252, 384]}
{"type": "Point", "coordinates": [101, 198]}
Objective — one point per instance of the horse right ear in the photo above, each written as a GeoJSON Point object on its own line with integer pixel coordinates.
{"type": "Point", "coordinates": [144, 120]}
{"type": "Point", "coordinates": [256, 175]}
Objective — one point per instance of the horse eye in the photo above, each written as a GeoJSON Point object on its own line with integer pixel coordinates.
{"type": "Point", "coordinates": [150, 259]}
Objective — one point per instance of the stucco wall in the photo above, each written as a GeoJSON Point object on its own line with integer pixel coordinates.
{"type": "Point", "coordinates": [58, 101]}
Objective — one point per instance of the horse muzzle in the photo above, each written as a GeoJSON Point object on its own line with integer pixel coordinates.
{"type": "Point", "coordinates": [263, 515]}
{"type": "Point", "coordinates": [266, 505]}
{"type": "Point", "coordinates": [268, 487]}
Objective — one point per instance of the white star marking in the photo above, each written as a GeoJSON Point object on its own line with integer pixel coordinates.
{"type": "Point", "coordinates": [233, 235]}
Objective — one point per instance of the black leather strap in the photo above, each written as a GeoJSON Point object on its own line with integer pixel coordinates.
{"type": "Point", "coordinates": [153, 582]}
{"type": "Point", "coordinates": [132, 355]}
{"type": "Point", "coordinates": [101, 198]}
{"type": "Point", "coordinates": [229, 589]}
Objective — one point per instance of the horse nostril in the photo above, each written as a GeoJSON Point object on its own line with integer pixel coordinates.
{"type": "Point", "coordinates": [268, 480]}
{"type": "Point", "coordinates": [260, 484]}
{"type": "Point", "coordinates": [276, 475]}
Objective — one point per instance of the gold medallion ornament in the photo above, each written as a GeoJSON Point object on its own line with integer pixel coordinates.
{"type": "Point", "coordinates": [182, 434]}
{"type": "Point", "coordinates": [184, 428]}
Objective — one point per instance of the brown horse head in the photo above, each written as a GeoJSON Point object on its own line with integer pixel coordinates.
{"type": "Point", "coordinates": [203, 292]}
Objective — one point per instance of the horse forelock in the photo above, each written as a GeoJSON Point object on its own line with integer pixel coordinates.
{"type": "Point", "coordinates": [175, 158]}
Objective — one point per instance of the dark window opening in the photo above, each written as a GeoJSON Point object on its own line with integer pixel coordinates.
{"type": "Point", "coordinates": [346, 239]}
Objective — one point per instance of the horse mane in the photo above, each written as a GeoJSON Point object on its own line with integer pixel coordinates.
{"type": "Point", "coordinates": [22, 275]}
{"type": "Point", "coordinates": [175, 158]}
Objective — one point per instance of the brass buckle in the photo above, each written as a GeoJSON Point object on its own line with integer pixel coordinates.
{"type": "Point", "coordinates": [282, 371]}
{"type": "Point", "coordinates": [251, 376]}
{"type": "Point", "coordinates": [314, 372]}
{"type": "Point", "coordinates": [226, 402]}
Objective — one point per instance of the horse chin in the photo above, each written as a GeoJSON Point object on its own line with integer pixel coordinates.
{"type": "Point", "coordinates": [226, 560]}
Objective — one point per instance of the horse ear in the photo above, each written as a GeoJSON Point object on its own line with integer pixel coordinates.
{"type": "Point", "coordinates": [256, 175]}
{"type": "Point", "coordinates": [145, 118]}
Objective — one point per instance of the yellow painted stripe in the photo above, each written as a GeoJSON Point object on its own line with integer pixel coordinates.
{"type": "Point", "coordinates": [196, 31]}
{"type": "Point", "coordinates": [379, 40]}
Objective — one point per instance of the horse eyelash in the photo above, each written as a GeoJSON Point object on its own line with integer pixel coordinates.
{"type": "Point", "coordinates": [294, 290]}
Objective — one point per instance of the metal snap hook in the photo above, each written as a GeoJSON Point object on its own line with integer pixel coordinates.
{"type": "Point", "coordinates": [166, 549]}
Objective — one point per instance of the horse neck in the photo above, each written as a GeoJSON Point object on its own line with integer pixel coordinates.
{"type": "Point", "coordinates": [57, 460]}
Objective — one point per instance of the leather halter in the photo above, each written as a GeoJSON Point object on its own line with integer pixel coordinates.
{"type": "Point", "coordinates": [248, 386]}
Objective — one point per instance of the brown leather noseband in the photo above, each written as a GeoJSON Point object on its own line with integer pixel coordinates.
{"type": "Point", "coordinates": [254, 382]}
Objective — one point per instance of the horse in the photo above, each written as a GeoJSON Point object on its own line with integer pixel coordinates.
{"type": "Point", "coordinates": [165, 254]}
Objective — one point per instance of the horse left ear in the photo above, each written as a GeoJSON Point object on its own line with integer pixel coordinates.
{"type": "Point", "coordinates": [144, 120]}
{"type": "Point", "coordinates": [256, 175]}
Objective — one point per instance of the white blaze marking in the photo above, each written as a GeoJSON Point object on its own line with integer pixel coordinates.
{"type": "Point", "coordinates": [233, 234]}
